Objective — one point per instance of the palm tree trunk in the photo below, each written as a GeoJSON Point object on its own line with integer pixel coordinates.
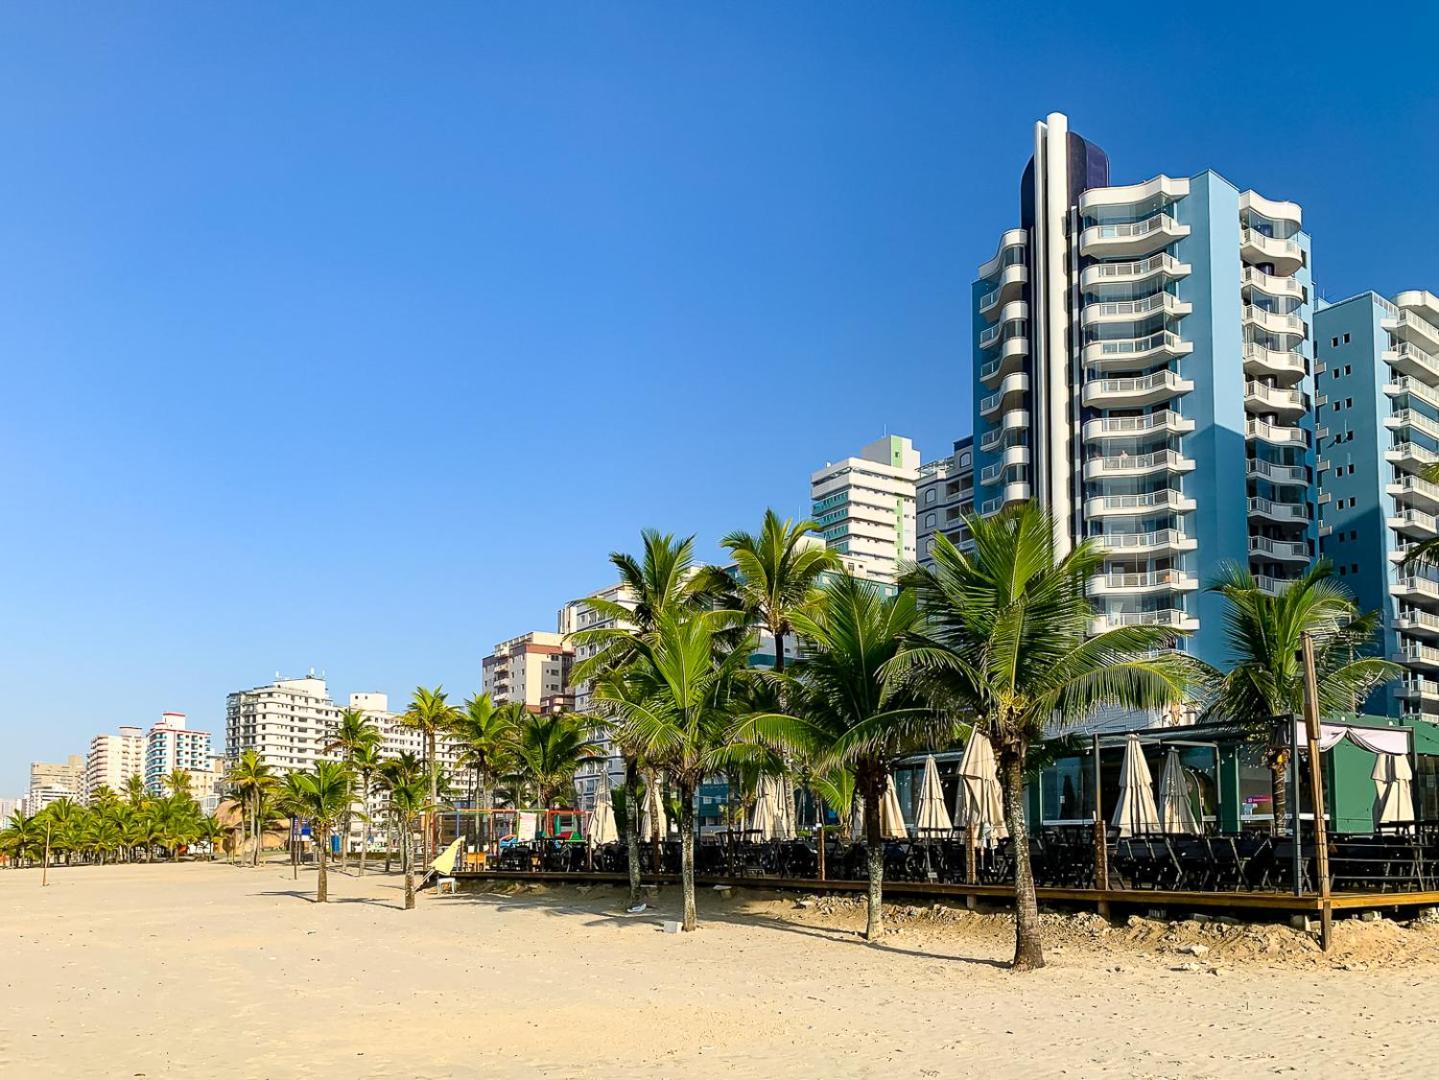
{"type": "Point", "coordinates": [322, 886]}
{"type": "Point", "coordinates": [874, 857]}
{"type": "Point", "coordinates": [778, 634]}
{"type": "Point", "coordinates": [632, 830]}
{"type": "Point", "coordinates": [687, 855]}
{"type": "Point", "coordinates": [409, 867]}
{"type": "Point", "coordinates": [1279, 770]}
{"type": "Point", "coordinates": [1028, 946]}
{"type": "Point", "coordinates": [431, 837]}
{"type": "Point", "coordinates": [485, 821]}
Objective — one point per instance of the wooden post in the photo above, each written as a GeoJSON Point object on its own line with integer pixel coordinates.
{"type": "Point", "coordinates": [971, 870]}
{"type": "Point", "coordinates": [1316, 791]}
{"type": "Point", "coordinates": [1101, 855]}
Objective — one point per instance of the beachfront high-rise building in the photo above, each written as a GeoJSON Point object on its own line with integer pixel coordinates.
{"type": "Point", "coordinates": [51, 781]}
{"type": "Point", "coordinates": [944, 496]}
{"type": "Point", "coordinates": [583, 615]}
{"type": "Point", "coordinates": [1377, 381]}
{"type": "Point", "coordinates": [287, 722]}
{"type": "Point", "coordinates": [1143, 368]}
{"type": "Point", "coordinates": [172, 744]}
{"type": "Point", "coordinates": [864, 506]}
{"type": "Point", "coordinates": [8, 808]}
{"type": "Point", "coordinates": [533, 669]}
{"type": "Point", "coordinates": [114, 759]}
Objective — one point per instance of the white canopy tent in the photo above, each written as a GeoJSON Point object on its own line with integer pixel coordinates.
{"type": "Point", "coordinates": [1393, 775]}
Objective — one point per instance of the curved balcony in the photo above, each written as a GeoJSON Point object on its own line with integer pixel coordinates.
{"type": "Point", "coordinates": [1116, 582]}
{"type": "Point", "coordinates": [1274, 363]}
{"type": "Point", "coordinates": [1131, 238]}
{"type": "Point", "coordinates": [1286, 404]}
{"type": "Point", "coordinates": [1010, 359]}
{"type": "Point", "coordinates": [1273, 209]}
{"type": "Point", "coordinates": [1415, 621]}
{"type": "Point", "coordinates": [1410, 456]}
{"type": "Point", "coordinates": [1416, 491]}
{"type": "Point", "coordinates": [1160, 541]}
{"type": "Point", "coordinates": [1161, 268]}
{"type": "Point", "coordinates": [1274, 323]}
{"type": "Point", "coordinates": [1132, 393]}
{"type": "Point", "coordinates": [1284, 513]}
{"type": "Point", "coordinates": [1013, 457]}
{"type": "Point", "coordinates": [1115, 427]}
{"type": "Point", "coordinates": [1126, 311]}
{"type": "Point", "coordinates": [1016, 311]}
{"type": "Point", "coordinates": [1414, 524]}
{"type": "Point", "coordinates": [1116, 465]}
{"type": "Point", "coordinates": [1409, 359]}
{"type": "Point", "coordinates": [1012, 493]}
{"type": "Point", "coordinates": [1129, 352]}
{"type": "Point", "coordinates": [1010, 287]}
{"type": "Point", "coordinates": [1009, 395]}
{"type": "Point", "coordinates": [1013, 238]}
{"type": "Point", "coordinates": [1144, 503]}
{"type": "Point", "coordinates": [1415, 587]}
{"type": "Point", "coordinates": [1275, 434]}
{"type": "Point", "coordinates": [1416, 655]}
{"type": "Point", "coordinates": [1173, 618]}
{"type": "Point", "coordinates": [1262, 547]}
{"type": "Point", "coordinates": [1286, 256]}
{"type": "Point", "coordinates": [1409, 386]}
{"type": "Point", "coordinates": [1259, 469]}
{"type": "Point", "coordinates": [1255, 280]}
{"type": "Point", "coordinates": [1015, 420]}
{"type": "Point", "coordinates": [1161, 187]}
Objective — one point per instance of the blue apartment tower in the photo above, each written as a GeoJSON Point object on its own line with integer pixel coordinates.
{"type": "Point", "coordinates": [1143, 360]}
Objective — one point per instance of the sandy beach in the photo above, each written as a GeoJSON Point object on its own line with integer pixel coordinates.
{"type": "Point", "coordinates": [204, 970]}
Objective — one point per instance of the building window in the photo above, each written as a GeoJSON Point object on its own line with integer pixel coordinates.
{"type": "Point", "coordinates": [929, 523]}
{"type": "Point", "coordinates": [1346, 339]}
{"type": "Point", "coordinates": [929, 496]}
{"type": "Point", "coordinates": [1334, 342]}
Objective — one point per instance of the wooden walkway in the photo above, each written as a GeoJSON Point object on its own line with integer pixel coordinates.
{"type": "Point", "coordinates": [1283, 903]}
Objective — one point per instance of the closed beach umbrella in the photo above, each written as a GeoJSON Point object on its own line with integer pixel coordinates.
{"type": "Point", "coordinates": [932, 818]}
{"type": "Point", "coordinates": [980, 800]}
{"type": "Point", "coordinates": [1135, 813]}
{"type": "Point", "coordinates": [1175, 809]}
{"type": "Point", "coordinates": [766, 810]}
{"type": "Point", "coordinates": [603, 829]}
{"type": "Point", "coordinates": [653, 817]}
{"type": "Point", "coordinates": [891, 817]}
{"type": "Point", "coordinates": [1393, 778]}
{"type": "Point", "coordinates": [784, 808]}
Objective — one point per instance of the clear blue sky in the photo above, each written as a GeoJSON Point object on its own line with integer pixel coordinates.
{"type": "Point", "coordinates": [354, 336]}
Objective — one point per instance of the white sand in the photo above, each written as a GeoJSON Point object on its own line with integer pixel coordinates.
{"type": "Point", "coordinates": [199, 970]}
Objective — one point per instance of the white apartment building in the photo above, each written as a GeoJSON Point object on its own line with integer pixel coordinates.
{"type": "Point", "coordinates": [287, 722]}
{"type": "Point", "coordinates": [865, 507]}
{"type": "Point", "coordinates": [114, 759]}
{"type": "Point", "coordinates": [8, 808]}
{"type": "Point", "coordinates": [52, 781]}
{"type": "Point", "coordinates": [583, 615]}
{"type": "Point", "coordinates": [533, 669]}
{"type": "Point", "coordinates": [172, 744]}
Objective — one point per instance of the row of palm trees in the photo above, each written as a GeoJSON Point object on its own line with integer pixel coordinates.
{"type": "Point", "coordinates": [992, 640]}
{"type": "Point", "coordinates": [132, 825]}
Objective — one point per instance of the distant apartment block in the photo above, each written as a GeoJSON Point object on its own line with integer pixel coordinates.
{"type": "Point", "coordinates": [945, 497]}
{"type": "Point", "coordinates": [1143, 368]}
{"type": "Point", "coordinates": [532, 669]}
{"type": "Point", "coordinates": [864, 506]}
{"type": "Point", "coordinates": [172, 744]}
{"type": "Point", "coordinates": [1377, 381]}
{"type": "Point", "coordinates": [53, 781]}
{"type": "Point", "coordinates": [114, 759]}
{"type": "Point", "coordinates": [287, 722]}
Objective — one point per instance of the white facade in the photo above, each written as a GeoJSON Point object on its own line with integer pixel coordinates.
{"type": "Point", "coordinates": [114, 759]}
{"type": "Point", "coordinates": [172, 744]}
{"type": "Point", "coordinates": [8, 808]}
{"type": "Point", "coordinates": [582, 615]}
{"type": "Point", "coordinates": [288, 722]}
{"type": "Point", "coordinates": [52, 781]}
{"type": "Point", "coordinates": [864, 506]}
{"type": "Point", "coordinates": [533, 669]}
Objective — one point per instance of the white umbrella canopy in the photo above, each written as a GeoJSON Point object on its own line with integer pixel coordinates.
{"type": "Point", "coordinates": [980, 799]}
{"type": "Point", "coordinates": [1135, 813]}
{"type": "Point", "coordinates": [652, 815]}
{"type": "Point", "coordinates": [891, 817]}
{"type": "Point", "coordinates": [603, 829]}
{"type": "Point", "coordinates": [932, 817]}
{"type": "Point", "coordinates": [1393, 778]}
{"type": "Point", "coordinates": [784, 808]}
{"type": "Point", "coordinates": [1176, 812]}
{"type": "Point", "coordinates": [766, 810]}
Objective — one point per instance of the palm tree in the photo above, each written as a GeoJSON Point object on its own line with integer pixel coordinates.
{"type": "Point", "coordinates": [663, 580]}
{"type": "Point", "coordinates": [431, 715]}
{"type": "Point", "coordinates": [1264, 688]}
{"type": "Point", "coordinates": [250, 779]}
{"type": "Point", "coordinates": [677, 707]}
{"type": "Point", "coordinates": [393, 772]}
{"type": "Point", "coordinates": [178, 782]}
{"type": "Point", "coordinates": [135, 792]}
{"type": "Point", "coordinates": [849, 716]}
{"type": "Point", "coordinates": [778, 574]}
{"type": "Point", "coordinates": [354, 733]}
{"type": "Point", "coordinates": [1005, 644]}
{"type": "Point", "coordinates": [323, 796]}
{"type": "Point", "coordinates": [485, 735]}
{"type": "Point", "coordinates": [22, 837]}
{"type": "Point", "coordinates": [550, 748]}
{"type": "Point", "coordinates": [366, 761]}
{"type": "Point", "coordinates": [407, 802]}
{"type": "Point", "coordinates": [212, 831]}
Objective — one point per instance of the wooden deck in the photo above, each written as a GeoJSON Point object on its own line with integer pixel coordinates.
{"type": "Point", "coordinates": [1282, 903]}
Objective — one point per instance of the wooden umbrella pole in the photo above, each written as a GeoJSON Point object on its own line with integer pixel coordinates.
{"type": "Point", "coordinates": [1316, 791]}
